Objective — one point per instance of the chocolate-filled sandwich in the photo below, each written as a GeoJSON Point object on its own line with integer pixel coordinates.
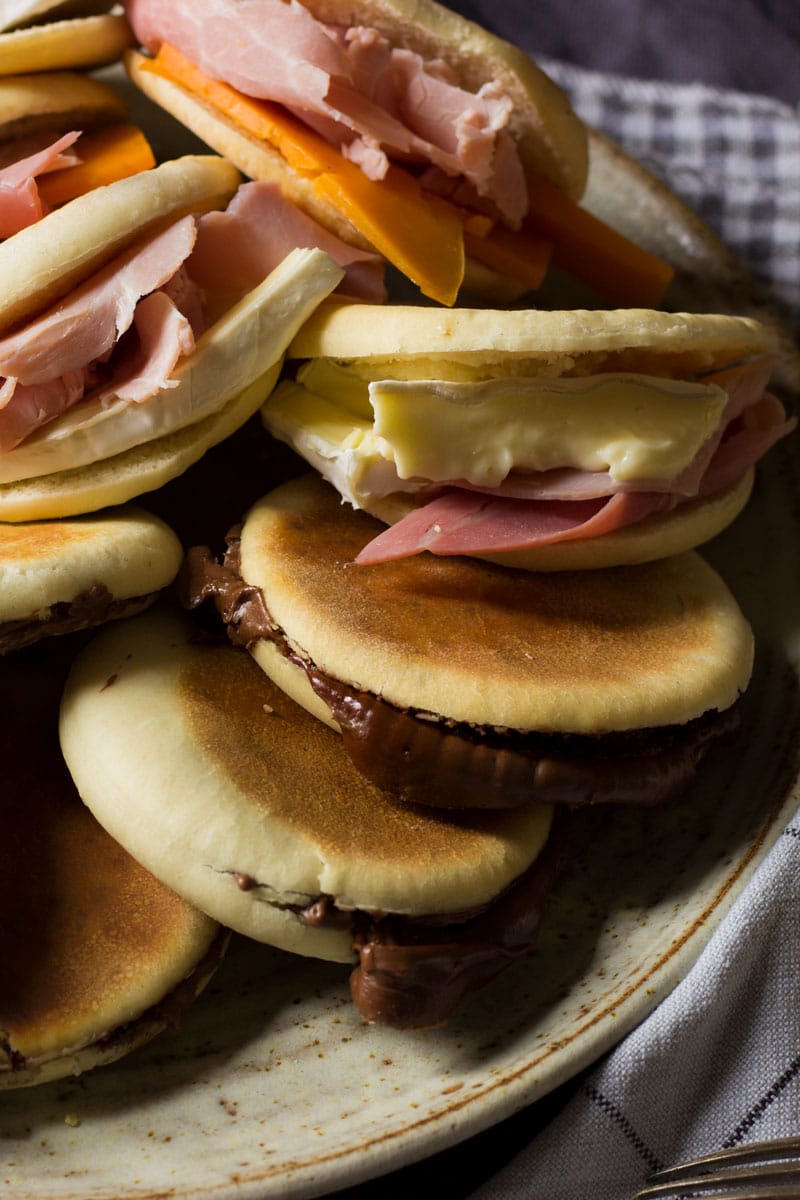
{"type": "Point", "coordinates": [249, 808]}
{"type": "Point", "coordinates": [58, 577]}
{"type": "Point", "coordinates": [98, 956]}
{"type": "Point", "coordinates": [459, 683]}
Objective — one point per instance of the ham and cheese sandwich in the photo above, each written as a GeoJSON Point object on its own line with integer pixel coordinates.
{"type": "Point", "coordinates": [249, 808]}
{"type": "Point", "coordinates": [140, 324]}
{"type": "Point", "coordinates": [462, 684]}
{"type": "Point", "coordinates": [53, 35]}
{"type": "Point", "coordinates": [57, 577]}
{"type": "Point", "coordinates": [61, 134]}
{"type": "Point", "coordinates": [401, 126]}
{"type": "Point", "coordinates": [541, 440]}
{"type": "Point", "coordinates": [98, 956]}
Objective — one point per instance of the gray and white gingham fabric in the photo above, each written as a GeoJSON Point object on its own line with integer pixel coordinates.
{"type": "Point", "coordinates": [718, 1062]}
{"type": "Point", "coordinates": [734, 159]}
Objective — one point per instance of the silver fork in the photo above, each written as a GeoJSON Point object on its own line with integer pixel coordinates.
{"type": "Point", "coordinates": [758, 1171]}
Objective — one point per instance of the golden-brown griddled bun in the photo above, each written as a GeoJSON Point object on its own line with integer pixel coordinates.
{"type": "Point", "coordinates": [98, 955]}
{"type": "Point", "coordinates": [63, 42]}
{"type": "Point", "coordinates": [61, 576]}
{"type": "Point", "coordinates": [41, 263]}
{"type": "Point", "coordinates": [249, 807]}
{"type": "Point", "coordinates": [57, 102]}
{"type": "Point", "coordinates": [630, 648]}
{"type": "Point", "coordinates": [389, 402]}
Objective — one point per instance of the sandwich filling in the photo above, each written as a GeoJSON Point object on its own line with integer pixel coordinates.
{"type": "Point", "coordinates": [496, 464]}
{"type": "Point", "coordinates": [366, 97]}
{"type": "Point", "coordinates": [92, 607]}
{"type": "Point", "coordinates": [412, 972]}
{"type": "Point", "coordinates": [37, 174]}
{"type": "Point", "coordinates": [115, 342]}
{"type": "Point", "coordinates": [428, 171]}
{"type": "Point", "coordinates": [428, 759]}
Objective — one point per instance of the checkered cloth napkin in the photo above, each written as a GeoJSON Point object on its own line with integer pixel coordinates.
{"type": "Point", "coordinates": [718, 1062]}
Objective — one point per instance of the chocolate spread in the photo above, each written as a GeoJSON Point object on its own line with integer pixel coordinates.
{"type": "Point", "coordinates": [414, 971]}
{"type": "Point", "coordinates": [92, 607]}
{"type": "Point", "coordinates": [451, 765]}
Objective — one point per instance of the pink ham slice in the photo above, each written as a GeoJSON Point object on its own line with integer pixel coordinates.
{"type": "Point", "coordinates": [164, 336]}
{"type": "Point", "coordinates": [46, 363]}
{"type": "Point", "coordinates": [458, 521]}
{"type": "Point", "coordinates": [238, 248]}
{"type": "Point", "coordinates": [20, 202]}
{"type": "Point", "coordinates": [29, 407]}
{"type": "Point", "coordinates": [85, 326]}
{"type": "Point", "coordinates": [372, 99]}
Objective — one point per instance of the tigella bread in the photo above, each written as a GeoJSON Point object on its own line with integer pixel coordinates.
{"type": "Point", "coordinates": [57, 577]}
{"type": "Point", "coordinates": [541, 440]}
{"type": "Point", "coordinates": [461, 684]}
{"type": "Point", "coordinates": [250, 809]}
{"type": "Point", "coordinates": [53, 35]}
{"type": "Point", "coordinates": [98, 955]}
{"type": "Point", "coordinates": [139, 324]}
{"type": "Point", "coordinates": [403, 127]}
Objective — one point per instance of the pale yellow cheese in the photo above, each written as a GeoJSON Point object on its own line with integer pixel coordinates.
{"type": "Point", "coordinates": [372, 438]}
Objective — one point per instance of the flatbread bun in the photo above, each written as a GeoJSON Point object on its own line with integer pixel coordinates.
{"type": "Point", "coordinates": [98, 955]}
{"type": "Point", "coordinates": [577, 341]}
{"type": "Point", "coordinates": [247, 806]}
{"type": "Point", "coordinates": [571, 652]}
{"type": "Point", "coordinates": [60, 576]}
{"type": "Point", "coordinates": [91, 456]}
{"type": "Point", "coordinates": [16, 14]}
{"type": "Point", "coordinates": [59, 101]}
{"type": "Point", "coordinates": [72, 43]}
{"type": "Point", "coordinates": [134, 472]}
{"type": "Point", "coordinates": [551, 139]}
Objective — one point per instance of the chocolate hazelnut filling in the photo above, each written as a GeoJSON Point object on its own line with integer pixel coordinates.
{"type": "Point", "coordinates": [92, 607]}
{"type": "Point", "coordinates": [414, 971]}
{"type": "Point", "coordinates": [453, 765]}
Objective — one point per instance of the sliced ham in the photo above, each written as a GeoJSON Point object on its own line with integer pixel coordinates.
{"type": "Point", "coordinates": [85, 326]}
{"type": "Point", "coordinates": [163, 337]}
{"type": "Point", "coordinates": [747, 440]}
{"type": "Point", "coordinates": [461, 522]}
{"type": "Point", "coordinates": [566, 505]}
{"type": "Point", "coordinates": [26, 408]}
{"type": "Point", "coordinates": [48, 365]}
{"type": "Point", "coordinates": [376, 102]}
{"type": "Point", "coordinates": [121, 334]}
{"type": "Point", "coordinates": [238, 248]}
{"type": "Point", "coordinates": [20, 202]}
{"type": "Point", "coordinates": [744, 386]}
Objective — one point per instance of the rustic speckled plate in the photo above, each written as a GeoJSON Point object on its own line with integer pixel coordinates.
{"type": "Point", "coordinates": [273, 1088]}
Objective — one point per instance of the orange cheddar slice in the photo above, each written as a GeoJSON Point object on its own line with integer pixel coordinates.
{"type": "Point", "coordinates": [588, 250]}
{"type": "Point", "coordinates": [106, 155]}
{"type": "Point", "coordinates": [420, 235]}
{"type": "Point", "coordinates": [521, 255]}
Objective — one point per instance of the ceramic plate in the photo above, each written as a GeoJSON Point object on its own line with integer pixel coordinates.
{"type": "Point", "coordinates": [273, 1088]}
